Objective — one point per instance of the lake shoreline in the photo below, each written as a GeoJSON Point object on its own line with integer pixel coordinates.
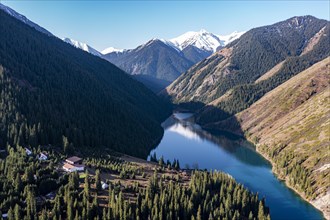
{"type": "Point", "coordinates": [324, 212]}
{"type": "Point", "coordinates": [240, 159]}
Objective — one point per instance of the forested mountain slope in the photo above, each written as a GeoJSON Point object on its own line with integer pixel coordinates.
{"type": "Point", "coordinates": [154, 84]}
{"type": "Point", "coordinates": [290, 126]}
{"type": "Point", "coordinates": [52, 93]}
{"type": "Point", "coordinates": [231, 72]}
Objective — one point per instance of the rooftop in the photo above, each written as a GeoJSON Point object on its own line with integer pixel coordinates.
{"type": "Point", "coordinates": [74, 159]}
{"type": "Point", "coordinates": [70, 166]}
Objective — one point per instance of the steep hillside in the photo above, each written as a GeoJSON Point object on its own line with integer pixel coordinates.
{"type": "Point", "coordinates": [195, 54]}
{"type": "Point", "coordinates": [290, 126]}
{"type": "Point", "coordinates": [53, 93]}
{"type": "Point", "coordinates": [24, 19]}
{"type": "Point", "coordinates": [235, 68]}
{"type": "Point", "coordinates": [154, 84]}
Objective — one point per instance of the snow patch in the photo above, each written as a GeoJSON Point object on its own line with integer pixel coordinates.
{"type": "Point", "coordinates": [82, 46]}
{"type": "Point", "coordinates": [204, 40]}
{"type": "Point", "coordinates": [112, 50]}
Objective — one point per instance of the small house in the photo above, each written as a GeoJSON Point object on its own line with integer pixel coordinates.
{"type": "Point", "coordinates": [74, 160]}
{"type": "Point", "coordinates": [73, 164]}
{"type": "Point", "coordinates": [28, 151]}
{"type": "Point", "coordinates": [43, 156]}
{"type": "Point", "coordinates": [73, 167]}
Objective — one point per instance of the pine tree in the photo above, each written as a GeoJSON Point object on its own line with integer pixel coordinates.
{"type": "Point", "coordinates": [86, 189]}
{"type": "Point", "coordinates": [250, 216]}
{"type": "Point", "coordinates": [17, 212]}
{"type": "Point", "coordinates": [18, 183]}
{"type": "Point", "coordinates": [199, 213]}
{"type": "Point", "coordinates": [98, 180]}
{"type": "Point", "coordinates": [161, 161]}
{"type": "Point", "coordinates": [76, 216]}
{"type": "Point", "coordinates": [11, 214]}
{"type": "Point", "coordinates": [261, 214]}
{"type": "Point", "coordinates": [31, 206]}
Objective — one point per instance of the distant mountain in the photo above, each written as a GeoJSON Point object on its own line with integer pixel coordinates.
{"type": "Point", "coordinates": [154, 84]}
{"type": "Point", "coordinates": [24, 19]}
{"type": "Point", "coordinates": [204, 40]}
{"type": "Point", "coordinates": [112, 50]}
{"type": "Point", "coordinates": [196, 46]}
{"type": "Point", "coordinates": [154, 58]}
{"type": "Point", "coordinates": [239, 74]}
{"type": "Point", "coordinates": [167, 59]}
{"type": "Point", "coordinates": [162, 61]}
{"type": "Point", "coordinates": [82, 46]}
{"type": "Point", "coordinates": [53, 93]}
{"type": "Point", "coordinates": [166, 63]}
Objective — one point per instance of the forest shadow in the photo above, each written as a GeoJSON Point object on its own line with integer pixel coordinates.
{"type": "Point", "coordinates": [209, 117]}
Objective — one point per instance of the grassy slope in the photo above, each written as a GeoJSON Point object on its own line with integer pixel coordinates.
{"type": "Point", "coordinates": [290, 126]}
{"type": "Point", "coordinates": [248, 58]}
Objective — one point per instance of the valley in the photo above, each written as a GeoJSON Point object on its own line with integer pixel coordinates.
{"type": "Point", "coordinates": [283, 109]}
{"type": "Point", "coordinates": [197, 126]}
{"type": "Point", "coordinates": [292, 131]}
{"type": "Point", "coordinates": [212, 150]}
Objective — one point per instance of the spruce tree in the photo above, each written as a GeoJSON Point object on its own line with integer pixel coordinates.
{"type": "Point", "coordinates": [98, 180]}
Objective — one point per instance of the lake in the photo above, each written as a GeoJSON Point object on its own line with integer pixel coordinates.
{"type": "Point", "coordinates": [197, 148]}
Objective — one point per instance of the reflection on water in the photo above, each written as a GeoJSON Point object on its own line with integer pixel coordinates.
{"type": "Point", "coordinates": [182, 130]}
{"type": "Point", "coordinates": [195, 147]}
{"type": "Point", "coordinates": [185, 127]}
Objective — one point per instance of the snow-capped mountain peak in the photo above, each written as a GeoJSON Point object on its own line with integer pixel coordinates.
{"type": "Point", "coordinates": [82, 46]}
{"type": "Point", "coordinates": [204, 40]}
{"type": "Point", "coordinates": [201, 39]}
{"type": "Point", "coordinates": [111, 50]}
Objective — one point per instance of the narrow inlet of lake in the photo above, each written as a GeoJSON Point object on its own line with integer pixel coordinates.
{"type": "Point", "coordinates": [197, 148]}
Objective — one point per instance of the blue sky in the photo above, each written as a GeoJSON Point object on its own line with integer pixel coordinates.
{"type": "Point", "coordinates": [126, 24]}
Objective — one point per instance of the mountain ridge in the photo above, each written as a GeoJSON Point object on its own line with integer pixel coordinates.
{"type": "Point", "coordinates": [63, 93]}
{"type": "Point", "coordinates": [247, 59]}
{"type": "Point", "coordinates": [24, 19]}
{"type": "Point", "coordinates": [289, 126]}
{"type": "Point", "coordinates": [167, 59]}
{"type": "Point", "coordinates": [82, 46]}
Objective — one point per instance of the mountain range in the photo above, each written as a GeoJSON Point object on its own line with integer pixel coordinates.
{"type": "Point", "coordinates": [159, 61]}
{"type": "Point", "coordinates": [162, 61]}
{"type": "Point", "coordinates": [167, 59]}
